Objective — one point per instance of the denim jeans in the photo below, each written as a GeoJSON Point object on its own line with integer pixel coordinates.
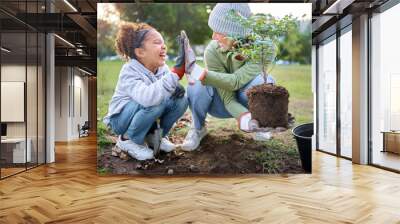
{"type": "Point", "coordinates": [205, 99]}
{"type": "Point", "coordinates": [137, 121]}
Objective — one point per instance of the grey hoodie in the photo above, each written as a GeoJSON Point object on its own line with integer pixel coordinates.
{"type": "Point", "coordinates": [139, 84]}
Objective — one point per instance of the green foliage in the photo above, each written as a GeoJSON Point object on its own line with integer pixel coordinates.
{"type": "Point", "coordinates": [103, 171]}
{"type": "Point", "coordinates": [105, 38]}
{"type": "Point", "coordinates": [102, 133]}
{"type": "Point", "coordinates": [265, 31]}
{"type": "Point", "coordinates": [276, 152]}
{"type": "Point", "coordinates": [296, 47]}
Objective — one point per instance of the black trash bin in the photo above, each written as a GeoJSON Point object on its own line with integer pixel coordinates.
{"type": "Point", "coordinates": [303, 134]}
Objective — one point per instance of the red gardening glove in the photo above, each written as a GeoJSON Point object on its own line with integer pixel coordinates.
{"type": "Point", "coordinates": [179, 67]}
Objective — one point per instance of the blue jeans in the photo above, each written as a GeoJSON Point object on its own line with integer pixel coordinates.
{"type": "Point", "coordinates": [205, 99]}
{"type": "Point", "coordinates": [137, 121]}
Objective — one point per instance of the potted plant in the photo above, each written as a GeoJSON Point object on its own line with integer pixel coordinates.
{"type": "Point", "coordinates": [268, 103]}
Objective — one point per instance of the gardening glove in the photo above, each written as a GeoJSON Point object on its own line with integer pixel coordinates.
{"type": "Point", "coordinates": [194, 72]}
{"type": "Point", "coordinates": [179, 67]}
{"type": "Point", "coordinates": [179, 92]}
{"type": "Point", "coordinates": [247, 124]}
{"type": "Point", "coordinates": [190, 57]}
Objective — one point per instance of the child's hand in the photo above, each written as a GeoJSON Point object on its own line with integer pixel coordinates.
{"type": "Point", "coordinates": [179, 92]}
{"type": "Point", "coordinates": [179, 67]}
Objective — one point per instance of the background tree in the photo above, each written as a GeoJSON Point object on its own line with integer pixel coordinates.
{"type": "Point", "coordinates": [105, 39]}
{"type": "Point", "coordinates": [296, 45]}
{"type": "Point", "coordinates": [171, 18]}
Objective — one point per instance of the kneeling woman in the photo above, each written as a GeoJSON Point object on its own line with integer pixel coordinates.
{"type": "Point", "coordinates": [146, 91]}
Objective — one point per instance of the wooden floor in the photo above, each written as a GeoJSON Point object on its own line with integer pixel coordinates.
{"type": "Point", "coordinates": [70, 191]}
{"type": "Point", "coordinates": [10, 171]}
{"type": "Point", "coordinates": [387, 159]}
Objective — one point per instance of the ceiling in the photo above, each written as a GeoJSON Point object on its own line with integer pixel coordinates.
{"type": "Point", "coordinates": [74, 22]}
{"type": "Point", "coordinates": [328, 15]}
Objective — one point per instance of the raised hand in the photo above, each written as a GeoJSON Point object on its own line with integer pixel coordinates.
{"type": "Point", "coordinates": [179, 67]}
{"type": "Point", "coordinates": [190, 57]}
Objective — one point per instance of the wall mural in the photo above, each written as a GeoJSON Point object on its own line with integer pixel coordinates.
{"type": "Point", "coordinates": [219, 93]}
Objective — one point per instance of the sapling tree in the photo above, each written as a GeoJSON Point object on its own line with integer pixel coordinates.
{"type": "Point", "coordinates": [268, 104]}
{"type": "Point", "coordinates": [260, 45]}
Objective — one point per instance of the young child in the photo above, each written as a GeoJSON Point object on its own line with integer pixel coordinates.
{"type": "Point", "coordinates": [146, 91]}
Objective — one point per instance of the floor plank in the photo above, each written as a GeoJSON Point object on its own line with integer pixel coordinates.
{"type": "Point", "coordinates": [70, 191]}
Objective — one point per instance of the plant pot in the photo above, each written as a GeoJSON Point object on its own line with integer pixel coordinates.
{"type": "Point", "coordinates": [268, 104]}
{"type": "Point", "coordinates": [303, 134]}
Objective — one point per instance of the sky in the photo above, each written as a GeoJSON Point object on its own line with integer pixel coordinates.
{"type": "Point", "coordinates": [107, 11]}
{"type": "Point", "coordinates": [282, 9]}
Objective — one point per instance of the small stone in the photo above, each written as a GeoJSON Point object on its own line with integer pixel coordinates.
{"type": "Point", "coordinates": [113, 153]}
{"type": "Point", "coordinates": [116, 149]}
{"type": "Point", "coordinates": [123, 156]}
{"type": "Point", "coordinates": [170, 171]}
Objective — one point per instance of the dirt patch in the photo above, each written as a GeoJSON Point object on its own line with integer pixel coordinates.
{"type": "Point", "coordinates": [228, 154]}
{"type": "Point", "coordinates": [268, 104]}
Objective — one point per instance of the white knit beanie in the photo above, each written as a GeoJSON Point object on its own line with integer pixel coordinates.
{"type": "Point", "coordinates": [220, 23]}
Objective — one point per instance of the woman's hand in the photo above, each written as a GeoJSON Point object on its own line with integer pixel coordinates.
{"type": "Point", "coordinates": [200, 77]}
{"type": "Point", "coordinates": [203, 76]}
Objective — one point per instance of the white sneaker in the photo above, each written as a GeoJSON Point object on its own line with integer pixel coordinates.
{"type": "Point", "coordinates": [193, 139]}
{"type": "Point", "coordinates": [139, 152]}
{"type": "Point", "coordinates": [166, 145]}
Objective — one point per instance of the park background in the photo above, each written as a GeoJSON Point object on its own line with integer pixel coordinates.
{"type": "Point", "coordinates": [292, 69]}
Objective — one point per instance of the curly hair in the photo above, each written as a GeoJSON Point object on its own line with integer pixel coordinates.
{"type": "Point", "coordinates": [126, 38]}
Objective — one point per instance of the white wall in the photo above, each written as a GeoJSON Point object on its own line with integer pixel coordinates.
{"type": "Point", "coordinates": [71, 87]}
{"type": "Point", "coordinates": [61, 103]}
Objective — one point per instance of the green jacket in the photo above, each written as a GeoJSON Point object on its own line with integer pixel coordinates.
{"type": "Point", "coordinates": [227, 75]}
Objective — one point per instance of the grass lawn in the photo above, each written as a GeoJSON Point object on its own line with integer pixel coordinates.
{"type": "Point", "coordinates": [296, 78]}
